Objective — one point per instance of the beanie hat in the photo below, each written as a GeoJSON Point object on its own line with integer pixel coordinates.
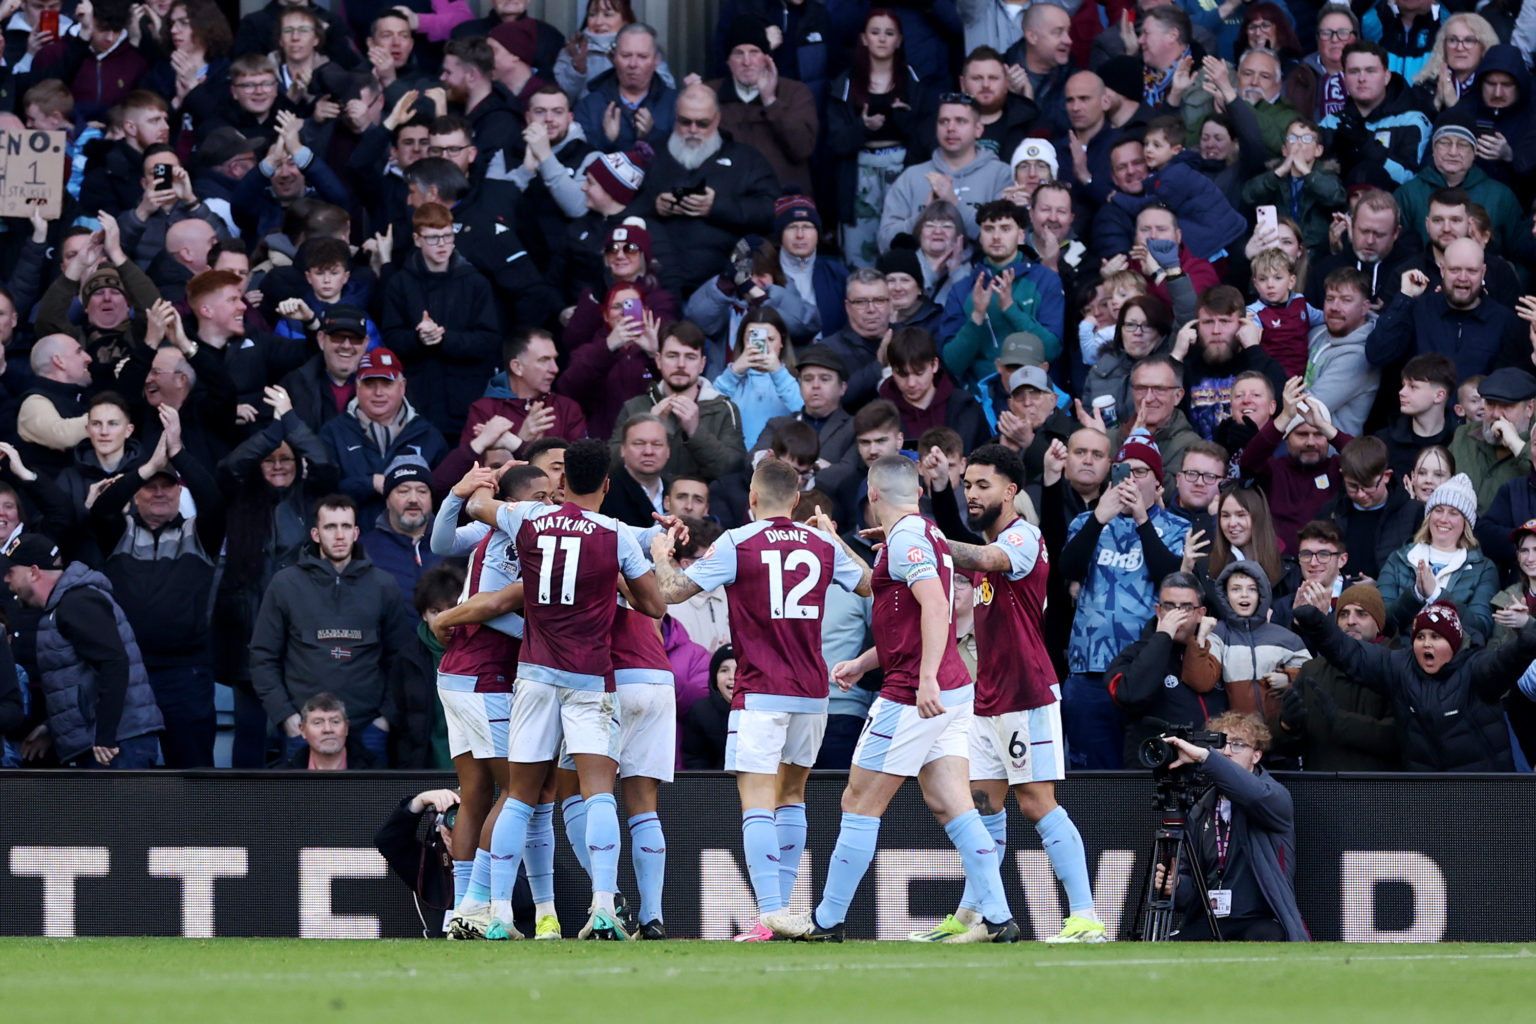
{"type": "Point", "coordinates": [791, 207]}
{"type": "Point", "coordinates": [1456, 123]}
{"type": "Point", "coordinates": [1123, 75]}
{"type": "Point", "coordinates": [622, 174]}
{"type": "Point", "coordinates": [406, 469]}
{"type": "Point", "coordinates": [520, 38]}
{"type": "Point", "coordinates": [1369, 600]}
{"type": "Point", "coordinates": [901, 261]}
{"type": "Point", "coordinates": [1035, 149]}
{"type": "Point", "coordinates": [1458, 494]}
{"type": "Point", "coordinates": [1441, 618]}
{"type": "Point", "coordinates": [746, 32]}
{"type": "Point", "coordinates": [104, 277]}
{"type": "Point", "coordinates": [631, 229]}
{"type": "Point", "coordinates": [1139, 445]}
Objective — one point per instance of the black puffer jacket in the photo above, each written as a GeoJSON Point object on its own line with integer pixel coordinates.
{"type": "Point", "coordinates": [1451, 721]}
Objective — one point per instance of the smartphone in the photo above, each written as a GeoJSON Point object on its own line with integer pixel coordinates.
{"type": "Point", "coordinates": [48, 21]}
{"type": "Point", "coordinates": [1120, 473]}
{"type": "Point", "coordinates": [757, 337]}
{"type": "Point", "coordinates": [1484, 127]}
{"type": "Point", "coordinates": [1267, 220]}
{"type": "Point", "coordinates": [163, 177]}
{"type": "Point", "coordinates": [690, 190]}
{"type": "Point", "coordinates": [633, 311]}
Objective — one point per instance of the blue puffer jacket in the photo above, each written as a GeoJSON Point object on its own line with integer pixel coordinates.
{"type": "Point", "coordinates": [1206, 218]}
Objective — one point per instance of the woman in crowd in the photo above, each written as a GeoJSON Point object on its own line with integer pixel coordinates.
{"type": "Point", "coordinates": [196, 38]}
{"type": "Point", "coordinates": [868, 119]}
{"type": "Point", "coordinates": [1512, 606]}
{"type": "Point", "coordinates": [617, 364]}
{"type": "Point", "coordinates": [761, 377]}
{"type": "Point", "coordinates": [1144, 328]}
{"type": "Point", "coordinates": [1267, 26]}
{"type": "Point", "coordinates": [1459, 49]}
{"type": "Point", "coordinates": [944, 253]}
{"type": "Point", "coordinates": [1442, 563]}
{"type": "Point", "coordinates": [627, 260]}
{"type": "Point", "coordinates": [1244, 532]}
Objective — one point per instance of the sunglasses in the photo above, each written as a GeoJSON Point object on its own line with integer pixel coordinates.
{"type": "Point", "coordinates": [624, 248]}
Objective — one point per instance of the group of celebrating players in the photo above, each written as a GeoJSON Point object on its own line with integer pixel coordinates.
{"type": "Point", "coordinates": [569, 597]}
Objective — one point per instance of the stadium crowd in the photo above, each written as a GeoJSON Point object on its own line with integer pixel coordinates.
{"type": "Point", "coordinates": [1242, 285]}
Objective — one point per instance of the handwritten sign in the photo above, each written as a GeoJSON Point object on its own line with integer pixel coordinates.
{"type": "Point", "coordinates": [31, 168]}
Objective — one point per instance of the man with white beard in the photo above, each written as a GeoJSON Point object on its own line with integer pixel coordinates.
{"type": "Point", "coordinates": [703, 194]}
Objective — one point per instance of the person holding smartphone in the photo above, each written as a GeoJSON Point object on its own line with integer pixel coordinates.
{"type": "Point", "coordinates": [760, 379]}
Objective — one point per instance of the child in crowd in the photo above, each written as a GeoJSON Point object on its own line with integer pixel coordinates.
{"type": "Point", "coordinates": [1469, 402]}
{"type": "Point", "coordinates": [1255, 659]}
{"type": "Point", "coordinates": [1284, 316]}
{"type": "Point", "coordinates": [1206, 218]}
{"type": "Point", "coordinates": [1308, 191]}
{"type": "Point", "coordinates": [327, 270]}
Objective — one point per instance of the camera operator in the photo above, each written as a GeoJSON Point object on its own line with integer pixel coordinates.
{"type": "Point", "coordinates": [1147, 679]}
{"type": "Point", "coordinates": [1243, 832]}
{"type": "Point", "coordinates": [425, 864]}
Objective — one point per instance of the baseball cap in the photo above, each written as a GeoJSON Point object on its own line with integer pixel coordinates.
{"type": "Point", "coordinates": [31, 549]}
{"type": "Point", "coordinates": [1021, 348]}
{"type": "Point", "coordinates": [1527, 527]}
{"type": "Point", "coordinates": [1028, 377]}
{"type": "Point", "coordinates": [345, 318]}
{"type": "Point", "coordinates": [381, 362]}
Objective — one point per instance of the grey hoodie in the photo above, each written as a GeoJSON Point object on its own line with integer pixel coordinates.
{"type": "Point", "coordinates": [1340, 376]}
{"type": "Point", "coordinates": [980, 181]}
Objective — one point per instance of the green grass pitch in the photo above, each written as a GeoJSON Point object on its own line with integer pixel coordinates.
{"type": "Point", "coordinates": [286, 981]}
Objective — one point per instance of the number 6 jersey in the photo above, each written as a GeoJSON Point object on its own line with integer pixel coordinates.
{"type": "Point", "coordinates": [571, 561]}
{"type": "Point", "coordinates": [776, 573]}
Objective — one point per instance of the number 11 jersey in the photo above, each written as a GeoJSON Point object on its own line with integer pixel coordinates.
{"type": "Point", "coordinates": [571, 561]}
{"type": "Point", "coordinates": [776, 573]}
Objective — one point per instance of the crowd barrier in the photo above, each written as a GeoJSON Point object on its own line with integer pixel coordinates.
{"type": "Point", "coordinates": [1418, 858]}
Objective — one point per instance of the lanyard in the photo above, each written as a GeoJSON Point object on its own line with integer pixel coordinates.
{"type": "Point", "coordinates": [1223, 842]}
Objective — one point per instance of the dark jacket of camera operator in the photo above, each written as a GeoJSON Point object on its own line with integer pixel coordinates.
{"type": "Point", "coordinates": [424, 866]}
{"type": "Point", "coordinates": [1447, 706]}
{"type": "Point", "coordinates": [1260, 862]}
{"type": "Point", "coordinates": [1147, 679]}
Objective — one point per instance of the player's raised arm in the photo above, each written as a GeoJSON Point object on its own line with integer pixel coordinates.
{"type": "Point", "coordinates": [482, 506]}
{"type": "Point", "coordinates": [979, 557]}
{"type": "Point", "coordinates": [824, 523]}
{"type": "Point", "coordinates": [673, 586]}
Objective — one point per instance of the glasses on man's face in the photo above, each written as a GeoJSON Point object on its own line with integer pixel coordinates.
{"type": "Point", "coordinates": [1153, 389]}
{"type": "Point", "coordinates": [437, 240]}
{"type": "Point", "coordinates": [1342, 35]}
{"type": "Point", "coordinates": [870, 303]}
{"type": "Point", "coordinates": [1194, 476]}
{"type": "Point", "coordinates": [1461, 42]}
{"type": "Point", "coordinates": [1180, 607]}
{"type": "Point", "coordinates": [622, 249]}
{"type": "Point", "coordinates": [1238, 746]}
{"type": "Point", "coordinates": [1355, 488]}
{"type": "Point", "coordinates": [1316, 555]}
{"type": "Point", "coordinates": [446, 150]}
{"type": "Point", "coordinates": [694, 122]}
{"type": "Point", "coordinates": [1305, 140]}
{"type": "Point", "coordinates": [1140, 472]}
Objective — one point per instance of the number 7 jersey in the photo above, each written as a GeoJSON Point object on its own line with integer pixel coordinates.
{"type": "Point", "coordinates": [571, 559]}
{"type": "Point", "coordinates": [776, 573]}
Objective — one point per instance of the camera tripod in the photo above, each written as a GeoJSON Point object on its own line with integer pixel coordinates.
{"type": "Point", "coordinates": [1171, 846]}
